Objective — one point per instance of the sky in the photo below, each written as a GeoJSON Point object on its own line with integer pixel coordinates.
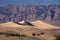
{"type": "Point", "coordinates": [27, 2]}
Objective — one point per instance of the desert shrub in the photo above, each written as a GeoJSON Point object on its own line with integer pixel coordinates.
{"type": "Point", "coordinates": [57, 37]}
{"type": "Point", "coordinates": [17, 35]}
{"type": "Point", "coordinates": [39, 34]}
{"type": "Point", "coordinates": [1, 33]}
{"type": "Point", "coordinates": [33, 34]}
{"type": "Point", "coordinates": [7, 36]}
{"type": "Point", "coordinates": [42, 33]}
{"type": "Point", "coordinates": [23, 35]}
{"type": "Point", "coordinates": [12, 34]}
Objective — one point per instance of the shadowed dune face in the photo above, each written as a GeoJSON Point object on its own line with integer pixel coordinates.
{"type": "Point", "coordinates": [24, 23]}
{"type": "Point", "coordinates": [42, 25]}
{"type": "Point", "coordinates": [14, 24]}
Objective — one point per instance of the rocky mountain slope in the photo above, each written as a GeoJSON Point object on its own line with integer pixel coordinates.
{"type": "Point", "coordinates": [48, 13]}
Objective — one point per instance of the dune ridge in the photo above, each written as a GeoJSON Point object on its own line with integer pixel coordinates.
{"type": "Point", "coordinates": [13, 24]}
{"type": "Point", "coordinates": [9, 24]}
{"type": "Point", "coordinates": [42, 25]}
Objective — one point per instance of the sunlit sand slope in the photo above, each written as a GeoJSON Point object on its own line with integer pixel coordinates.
{"type": "Point", "coordinates": [12, 24]}
{"type": "Point", "coordinates": [9, 24]}
{"type": "Point", "coordinates": [22, 22]}
{"type": "Point", "coordinates": [42, 25]}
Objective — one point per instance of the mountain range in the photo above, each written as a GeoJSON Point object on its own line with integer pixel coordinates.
{"type": "Point", "coordinates": [17, 13]}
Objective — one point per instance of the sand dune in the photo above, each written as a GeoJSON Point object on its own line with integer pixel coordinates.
{"type": "Point", "coordinates": [9, 24]}
{"type": "Point", "coordinates": [38, 24]}
{"type": "Point", "coordinates": [42, 25]}
{"type": "Point", "coordinates": [12, 24]}
{"type": "Point", "coordinates": [12, 27]}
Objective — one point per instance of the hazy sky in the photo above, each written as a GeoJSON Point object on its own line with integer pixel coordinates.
{"type": "Point", "coordinates": [26, 2]}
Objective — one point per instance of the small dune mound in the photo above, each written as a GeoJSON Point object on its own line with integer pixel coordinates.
{"type": "Point", "coordinates": [9, 24]}
{"type": "Point", "coordinates": [15, 24]}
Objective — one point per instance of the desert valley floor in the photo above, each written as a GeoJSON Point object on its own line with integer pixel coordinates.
{"type": "Point", "coordinates": [39, 31]}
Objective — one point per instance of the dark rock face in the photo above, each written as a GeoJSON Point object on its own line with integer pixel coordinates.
{"type": "Point", "coordinates": [48, 13]}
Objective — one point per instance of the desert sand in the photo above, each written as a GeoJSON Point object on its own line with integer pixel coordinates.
{"type": "Point", "coordinates": [9, 24]}
{"type": "Point", "coordinates": [40, 31]}
{"type": "Point", "coordinates": [12, 24]}
{"type": "Point", "coordinates": [43, 25]}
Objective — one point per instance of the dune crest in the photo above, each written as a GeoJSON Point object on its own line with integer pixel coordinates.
{"type": "Point", "coordinates": [9, 24]}
{"type": "Point", "coordinates": [22, 22]}
{"type": "Point", "coordinates": [42, 25]}
{"type": "Point", "coordinates": [13, 24]}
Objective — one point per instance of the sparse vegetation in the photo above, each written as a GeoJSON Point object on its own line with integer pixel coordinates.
{"type": "Point", "coordinates": [39, 34]}
{"type": "Point", "coordinates": [1, 33]}
{"type": "Point", "coordinates": [42, 33]}
{"type": "Point", "coordinates": [23, 35]}
{"type": "Point", "coordinates": [57, 37]}
{"type": "Point", "coordinates": [33, 34]}
{"type": "Point", "coordinates": [12, 34]}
